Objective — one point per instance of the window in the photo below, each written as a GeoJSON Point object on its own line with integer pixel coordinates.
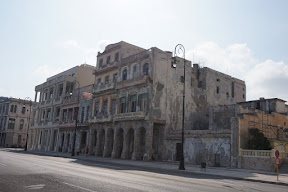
{"type": "Point", "coordinates": [113, 106]}
{"type": "Point", "coordinates": [218, 80]}
{"type": "Point", "coordinates": [217, 89]}
{"type": "Point", "coordinates": [145, 69]}
{"type": "Point", "coordinates": [243, 96]}
{"type": "Point", "coordinates": [115, 77]}
{"type": "Point", "coordinates": [98, 81]}
{"type": "Point", "coordinates": [12, 108]}
{"type": "Point", "coordinates": [43, 115]}
{"type": "Point", "coordinates": [122, 105]}
{"type": "Point", "coordinates": [57, 113]}
{"type": "Point", "coordinates": [132, 103]}
{"type": "Point", "coordinates": [23, 109]}
{"type": "Point", "coordinates": [11, 123]}
{"type": "Point", "coordinates": [182, 79]}
{"type": "Point", "coordinates": [200, 84]}
{"type": "Point", "coordinates": [64, 116]}
{"type": "Point", "coordinates": [117, 56]}
{"type": "Point", "coordinates": [227, 94]}
{"type": "Point", "coordinates": [124, 75]}
{"type": "Point", "coordinates": [106, 79]}
{"type": "Point", "coordinates": [82, 114]}
{"type": "Point", "coordinates": [142, 102]}
{"type": "Point", "coordinates": [105, 105]}
{"type": "Point", "coordinates": [284, 123]}
{"type": "Point", "coordinates": [134, 71]}
{"type": "Point", "coordinates": [21, 124]}
{"type": "Point", "coordinates": [76, 110]}
{"type": "Point", "coordinates": [101, 62]}
{"type": "Point", "coordinates": [96, 111]}
{"type": "Point", "coordinates": [70, 112]}
{"type": "Point", "coordinates": [108, 60]}
{"type": "Point", "coordinates": [87, 113]}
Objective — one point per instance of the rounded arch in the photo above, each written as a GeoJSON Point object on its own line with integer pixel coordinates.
{"type": "Point", "coordinates": [134, 71]}
{"type": "Point", "coordinates": [124, 73]}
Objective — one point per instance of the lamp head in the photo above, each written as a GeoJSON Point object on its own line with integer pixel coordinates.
{"type": "Point", "coordinates": [173, 62]}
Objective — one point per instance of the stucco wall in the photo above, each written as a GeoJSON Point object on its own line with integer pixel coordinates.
{"type": "Point", "coordinates": [258, 163]}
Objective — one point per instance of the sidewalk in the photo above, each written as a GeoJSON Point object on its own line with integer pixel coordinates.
{"type": "Point", "coordinates": [232, 173]}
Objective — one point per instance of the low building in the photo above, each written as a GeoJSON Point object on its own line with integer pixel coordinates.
{"type": "Point", "coordinates": [227, 134]}
{"type": "Point", "coordinates": [14, 121]}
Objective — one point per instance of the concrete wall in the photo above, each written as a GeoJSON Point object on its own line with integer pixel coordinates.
{"type": "Point", "coordinates": [258, 163]}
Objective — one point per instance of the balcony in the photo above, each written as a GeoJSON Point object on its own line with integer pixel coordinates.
{"type": "Point", "coordinates": [132, 82]}
{"type": "Point", "coordinates": [130, 116]}
{"type": "Point", "coordinates": [70, 100]}
{"type": "Point", "coordinates": [100, 118]}
{"type": "Point", "coordinates": [58, 101]}
{"type": "Point", "coordinates": [103, 87]}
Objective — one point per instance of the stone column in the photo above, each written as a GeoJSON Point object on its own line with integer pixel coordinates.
{"type": "Point", "coordinates": [107, 150]}
{"type": "Point", "coordinates": [136, 150]}
{"type": "Point", "coordinates": [148, 148]}
{"type": "Point", "coordinates": [115, 143]}
{"type": "Point", "coordinates": [125, 151]}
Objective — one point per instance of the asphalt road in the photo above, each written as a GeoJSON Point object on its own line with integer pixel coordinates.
{"type": "Point", "coordinates": [21, 171]}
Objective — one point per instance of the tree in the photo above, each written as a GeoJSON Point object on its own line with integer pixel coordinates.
{"type": "Point", "coordinates": [257, 140]}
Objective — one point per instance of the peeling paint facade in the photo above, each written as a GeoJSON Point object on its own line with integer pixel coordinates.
{"type": "Point", "coordinates": [138, 114]}
{"type": "Point", "coordinates": [14, 118]}
{"type": "Point", "coordinates": [58, 102]}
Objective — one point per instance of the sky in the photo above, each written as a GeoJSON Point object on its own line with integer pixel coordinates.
{"type": "Point", "coordinates": [245, 39]}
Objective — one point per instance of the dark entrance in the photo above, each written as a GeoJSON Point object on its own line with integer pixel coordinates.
{"type": "Point", "coordinates": [178, 151]}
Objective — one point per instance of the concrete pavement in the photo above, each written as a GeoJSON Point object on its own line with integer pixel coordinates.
{"type": "Point", "coordinates": [239, 174]}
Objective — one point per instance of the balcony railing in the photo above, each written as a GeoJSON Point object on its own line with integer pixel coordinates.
{"type": "Point", "coordinates": [103, 87]}
{"type": "Point", "coordinates": [129, 116]}
{"type": "Point", "coordinates": [132, 82]}
{"type": "Point", "coordinates": [68, 99]}
{"type": "Point", "coordinates": [129, 59]}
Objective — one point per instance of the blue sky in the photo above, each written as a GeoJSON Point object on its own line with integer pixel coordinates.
{"type": "Point", "coordinates": [246, 39]}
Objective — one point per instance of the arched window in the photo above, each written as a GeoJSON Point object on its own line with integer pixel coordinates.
{"type": "Point", "coordinates": [134, 71]}
{"type": "Point", "coordinates": [145, 69]}
{"type": "Point", "coordinates": [124, 75]}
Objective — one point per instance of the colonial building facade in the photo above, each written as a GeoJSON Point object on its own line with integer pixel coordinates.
{"type": "Point", "coordinates": [137, 111]}
{"type": "Point", "coordinates": [14, 121]}
{"type": "Point", "coordinates": [54, 115]}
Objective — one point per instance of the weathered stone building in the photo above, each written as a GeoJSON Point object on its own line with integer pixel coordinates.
{"type": "Point", "coordinates": [53, 124]}
{"type": "Point", "coordinates": [137, 102]}
{"type": "Point", "coordinates": [221, 144]}
{"type": "Point", "coordinates": [14, 117]}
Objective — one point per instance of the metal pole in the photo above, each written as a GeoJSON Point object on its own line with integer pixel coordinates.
{"type": "Point", "coordinates": [180, 48]}
{"type": "Point", "coordinates": [181, 165]}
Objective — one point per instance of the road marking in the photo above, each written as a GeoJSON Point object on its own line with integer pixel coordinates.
{"type": "Point", "coordinates": [39, 186]}
{"type": "Point", "coordinates": [3, 164]}
{"type": "Point", "coordinates": [79, 187]}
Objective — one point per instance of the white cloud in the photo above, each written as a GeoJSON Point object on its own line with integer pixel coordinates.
{"type": "Point", "coordinates": [263, 78]}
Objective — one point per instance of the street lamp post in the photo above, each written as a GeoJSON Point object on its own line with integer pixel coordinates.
{"type": "Point", "coordinates": [30, 102]}
{"type": "Point", "coordinates": [179, 49]}
{"type": "Point", "coordinates": [76, 119]}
